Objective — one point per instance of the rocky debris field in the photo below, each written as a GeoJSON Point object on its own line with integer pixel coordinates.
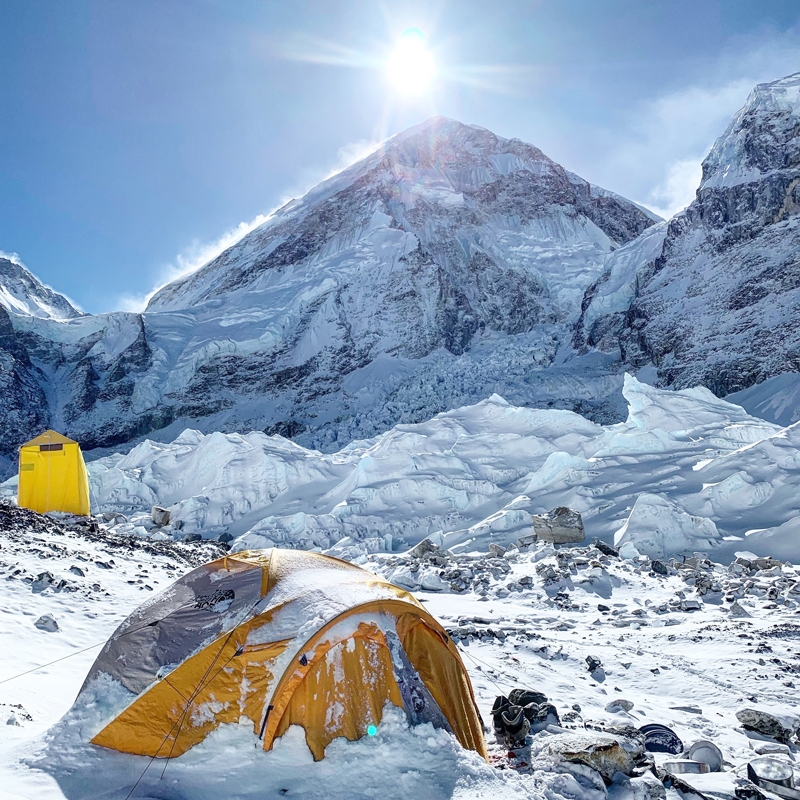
{"type": "Point", "coordinates": [610, 644]}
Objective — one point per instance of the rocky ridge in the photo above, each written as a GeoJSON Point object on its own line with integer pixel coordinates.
{"type": "Point", "coordinates": [711, 297]}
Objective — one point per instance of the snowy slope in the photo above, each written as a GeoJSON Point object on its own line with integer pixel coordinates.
{"type": "Point", "coordinates": [686, 471]}
{"type": "Point", "coordinates": [776, 399]}
{"type": "Point", "coordinates": [531, 620]}
{"type": "Point", "coordinates": [716, 303]}
{"type": "Point", "coordinates": [447, 265]}
{"type": "Point", "coordinates": [23, 293]}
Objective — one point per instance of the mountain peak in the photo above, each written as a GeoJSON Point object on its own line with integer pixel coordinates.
{"type": "Point", "coordinates": [762, 138]}
{"type": "Point", "coordinates": [21, 292]}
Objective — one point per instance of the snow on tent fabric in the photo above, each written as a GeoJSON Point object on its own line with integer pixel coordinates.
{"type": "Point", "coordinates": [52, 475]}
{"type": "Point", "coordinates": [275, 638]}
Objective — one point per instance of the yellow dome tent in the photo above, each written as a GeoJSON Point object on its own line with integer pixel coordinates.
{"type": "Point", "coordinates": [277, 638]}
{"type": "Point", "coordinates": [52, 475]}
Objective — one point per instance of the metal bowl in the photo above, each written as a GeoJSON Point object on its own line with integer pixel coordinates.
{"type": "Point", "coordinates": [708, 753]}
{"type": "Point", "coordinates": [686, 766]}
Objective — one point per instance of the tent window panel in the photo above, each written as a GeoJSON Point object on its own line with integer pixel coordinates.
{"type": "Point", "coordinates": [49, 448]}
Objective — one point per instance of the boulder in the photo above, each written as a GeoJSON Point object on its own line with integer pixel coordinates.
{"type": "Point", "coordinates": [425, 546]}
{"type": "Point", "coordinates": [46, 623]}
{"type": "Point", "coordinates": [160, 516]}
{"type": "Point", "coordinates": [601, 753]}
{"type": "Point", "coordinates": [766, 724]}
{"type": "Point", "coordinates": [559, 526]}
{"type": "Point", "coordinates": [615, 706]}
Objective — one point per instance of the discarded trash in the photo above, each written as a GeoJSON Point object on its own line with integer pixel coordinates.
{"type": "Point", "coordinates": [708, 753]}
{"type": "Point", "coordinates": [773, 775]}
{"type": "Point", "coordinates": [686, 766]}
{"type": "Point", "coordinates": [661, 739]}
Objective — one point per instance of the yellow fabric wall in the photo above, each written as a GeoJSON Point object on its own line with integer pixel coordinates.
{"type": "Point", "coordinates": [52, 476]}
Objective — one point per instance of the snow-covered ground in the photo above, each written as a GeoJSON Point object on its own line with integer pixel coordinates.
{"type": "Point", "coordinates": [686, 471]}
{"type": "Point", "coordinates": [526, 619]}
{"type": "Point", "coordinates": [689, 643]}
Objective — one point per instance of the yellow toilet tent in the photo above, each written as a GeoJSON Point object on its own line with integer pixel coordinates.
{"type": "Point", "coordinates": [275, 638]}
{"type": "Point", "coordinates": [52, 475]}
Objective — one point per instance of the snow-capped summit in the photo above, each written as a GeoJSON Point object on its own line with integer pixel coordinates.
{"type": "Point", "coordinates": [463, 197]}
{"type": "Point", "coordinates": [22, 293]}
{"type": "Point", "coordinates": [760, 140]}
{"type": "Point", "coordinates": [712, 298]}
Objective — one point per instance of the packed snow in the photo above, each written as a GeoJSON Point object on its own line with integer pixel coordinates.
{"type": "Point", "coordinates": [686, 644]}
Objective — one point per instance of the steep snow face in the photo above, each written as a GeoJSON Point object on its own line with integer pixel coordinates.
{"type": "Point", "coordinates": [717, 303]}
{"type": "Point", "coordinates": [685, 471]}
{"type": "Point", "coordinates": [21, 292]}
{"type": "Point", "coordinates": [447, 265]}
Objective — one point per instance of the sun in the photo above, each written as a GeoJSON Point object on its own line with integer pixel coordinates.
{"type": "Point", "coordinates": [411, 67]}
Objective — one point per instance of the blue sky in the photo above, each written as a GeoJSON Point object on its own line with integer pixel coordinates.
{"type": "Point", "coordinates": [137, 137]}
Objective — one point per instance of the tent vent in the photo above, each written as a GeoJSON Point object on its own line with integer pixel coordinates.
{"type": "Point", "coordinates": [46, 448]}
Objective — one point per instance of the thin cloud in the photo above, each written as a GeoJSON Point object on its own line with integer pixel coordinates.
{"type": "Point", "coordinates": [657, 161]}
{"type": "Point", "coordinates": [198, 254]}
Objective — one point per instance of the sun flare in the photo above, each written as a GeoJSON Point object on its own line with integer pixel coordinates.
{"type": "Point", "coordinates": [411, 67]}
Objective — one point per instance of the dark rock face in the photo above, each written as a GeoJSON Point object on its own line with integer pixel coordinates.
{"type": "Point", "coordinates": [718, 305]}
{"type": "Point", "coordinates": [356, 307]}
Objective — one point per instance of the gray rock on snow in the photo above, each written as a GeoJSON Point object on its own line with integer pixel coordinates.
{"type": "Point", "coordinates": [767, 724]}
{"type": "Point", "coordinates": [615, 706]}
{"type": "Point", "coordinates": [562, 525]}
{"type": "Point", "coordinates": [46, 623]}
{"type": "Point", "coordinates": [160, 516]}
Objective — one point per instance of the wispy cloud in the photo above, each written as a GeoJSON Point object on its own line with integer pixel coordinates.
{"type": "Point", "coordinates": [197, 254]}
{"type": "Point", "coordinates": [657, 160]}
{"type": "Point", "coordinates": [192, 258]}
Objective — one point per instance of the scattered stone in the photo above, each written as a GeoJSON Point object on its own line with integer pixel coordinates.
{"type": "Point", "coordinates": [593, 663]}
{"type": "Point", "coordinates": [690, 605]}
{"type": "Point", "coordinates": [425, 546]}
{"type": "Point", "coordinates": [160, 516]}
{"type": "Point", "coordinates": [771, 748]}
{"type": "Point", "coordinates": [497, 550]}
{"type": "Point", "coordinates": [77, 571]}
{"type": "Point", "coordinates": [46, 623]}
{"type": "Point", "coordinates": [618, 705]}
{"type": "Point", "coordinates": [737, 611]}
{"type": "Point", "coordinates": [602, 753]}
{"type": "Point", "coordinates": [193, 537]}
{"type": "Point", "coordinates": [524, 542]}
{"type": "Point", "coordinates": [559, 526]}
{"type": "Point", "coordinates": [605, 549]}
{"type": "Point", "coordinates": [753, 719]}
{"type": "Point", "coordinates": [659, 567]}
{"type": "Point", "coordinates": [687, 709]}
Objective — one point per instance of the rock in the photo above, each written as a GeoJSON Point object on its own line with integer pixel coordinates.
{"type": "Point", "coordinates": [77, 571]}
{"type": "Point", "coordinates": [593, 663]}
{"type": "Point", "coordinates": [46, 623]}
{"type": "Point", "coordinates": [193, 537]}
{"type": "Point", "coordinates": [753, 719]}
{"type": "Point", "coordinates": [771, 748]}
{"type": "Point", "coordinates": [497, 550]}
{"type": "Point", "coordinates": [737, 611]}
{"type": "Point", "coordinates": [615, 706]}
{"type": "Point", "coordinates": [602, 753]}
{"type": "Point", "coordinates": [524, 542]}
{"type": "Point", "coordinates": [160, 516]}
{"type": "Point", "coordinates": [659, 567]}
{"type": "Point", "coordinates": [225, 538]}
{"type": "Point", "coordinates": [687, 709]}
{"type": "Point", "coordinates": [605, 549]}
{"type": "Point", "coordinates": [559, 526]}
{"type": "Point", "coordinates": [690, 605]}
{"type": "Point", "coordinates": [425, 546]}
